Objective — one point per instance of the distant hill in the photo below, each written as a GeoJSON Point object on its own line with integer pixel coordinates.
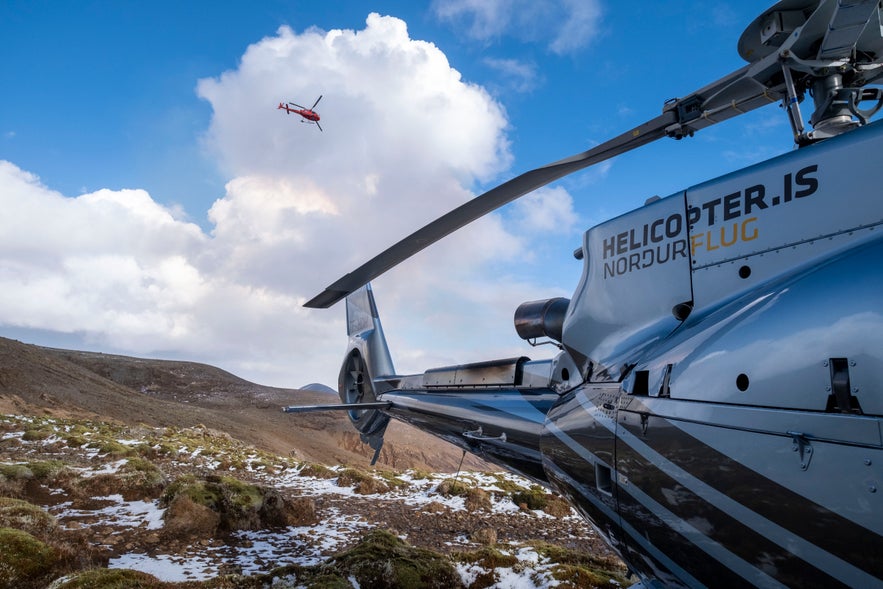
{"type": "Point", "coordinates": [68, 383]}
{"type": "Point", "coordinates": [319, 388]}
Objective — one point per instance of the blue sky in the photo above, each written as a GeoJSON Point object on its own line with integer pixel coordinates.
{"type": "Point", "coordinates": [158, 204]}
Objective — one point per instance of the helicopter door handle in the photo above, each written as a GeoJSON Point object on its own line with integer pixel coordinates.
{"type": "Point", "coordinates": [478, 434]}
{"type": "Point", "coordinates": [803, 447]}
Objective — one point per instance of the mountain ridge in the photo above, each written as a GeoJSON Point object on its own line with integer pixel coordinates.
{"type": "Point", "coordinates": [37, 380]}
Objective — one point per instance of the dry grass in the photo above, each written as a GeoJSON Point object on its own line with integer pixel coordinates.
{"type": "Point", "coordinates": [33, 552]}
{"type": "Point", "coordinates": [24, 516]}
{"type": "Point", "coordinates": [209, 506]}
{"type": "Point", "coordinates": [362, 482]}
{"type": "Point", "coordinates": [203, 506]}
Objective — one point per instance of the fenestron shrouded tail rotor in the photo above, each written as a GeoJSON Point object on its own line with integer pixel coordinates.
{"type": "Point", "coordinates": [367, 362]}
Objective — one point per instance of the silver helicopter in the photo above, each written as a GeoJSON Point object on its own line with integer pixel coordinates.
{"type": "Point", "coordinates": [715, 407]}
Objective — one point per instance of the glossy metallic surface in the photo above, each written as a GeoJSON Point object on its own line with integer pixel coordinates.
{"type": "Point", "coordinates": [717, 409]}
{"type": "Point", "coordinates": [502, 426]}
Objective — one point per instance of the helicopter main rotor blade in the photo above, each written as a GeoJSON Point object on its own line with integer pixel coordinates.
{"type": "Point", "coordinates": [763, 81]}
{"type": "Point", "coordinates": [317, 102]}
{"type": "Point", "coordinates": [487, 202]}
{"type": "Point", "coordinates": [745, 89]}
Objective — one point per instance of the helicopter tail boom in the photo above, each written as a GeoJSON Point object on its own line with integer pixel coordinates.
{"type": "Point", "coordinates": [495, 409]}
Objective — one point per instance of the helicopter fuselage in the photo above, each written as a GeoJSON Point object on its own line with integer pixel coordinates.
{"type": "Point", "coordinates": [308, 115]}
{"type": "Point", "coordinates": [716, 407]}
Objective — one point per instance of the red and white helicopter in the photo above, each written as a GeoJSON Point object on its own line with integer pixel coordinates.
{"type": "Point", "coordinates": [308, 114]}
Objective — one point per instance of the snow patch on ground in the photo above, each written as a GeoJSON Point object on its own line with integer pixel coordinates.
{"type": "Point", "coordinates": [121, 513]}
{"type": "Point", "coordinates": [166, 567]}
{"type": "Point", "coordinates": [256, 552]}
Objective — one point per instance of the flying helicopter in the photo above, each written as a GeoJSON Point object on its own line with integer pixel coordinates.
{"type": "Point", "coordinates": [715, 409]}
{"type": "Point", "coordinates": [308, 115]}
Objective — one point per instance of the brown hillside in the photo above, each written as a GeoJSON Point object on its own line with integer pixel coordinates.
{"type": "Point", "coordinates": [36, 380]}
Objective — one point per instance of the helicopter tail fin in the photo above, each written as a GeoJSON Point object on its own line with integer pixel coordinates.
{"type": "Point", "coordinates": [367, 358]}
{"type": "Point", "coordinates": [363, 325]}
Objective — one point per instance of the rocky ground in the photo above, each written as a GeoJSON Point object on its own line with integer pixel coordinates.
{"type": "Point", "coordinates": [128, 472]}
{"type": "Point", "coordinates": [196, 505]}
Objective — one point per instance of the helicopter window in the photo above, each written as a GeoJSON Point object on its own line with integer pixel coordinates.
{"type": "Point", "coordinates": [642, 382]}
{"type": "Point", "coordinates": [664, 390]}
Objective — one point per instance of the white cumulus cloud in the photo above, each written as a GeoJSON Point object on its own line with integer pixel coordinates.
{"type": "Point", "coordinates": [405, 138]}
{"type": "Point", "coordinates": [563, 26]}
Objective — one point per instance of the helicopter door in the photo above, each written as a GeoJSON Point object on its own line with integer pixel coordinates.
{"type": "Point", "coordinates": [647, 499]}
{"type": "Point", "coordinates": [578, 447]}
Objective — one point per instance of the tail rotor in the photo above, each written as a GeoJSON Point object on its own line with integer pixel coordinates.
{"type": "Point", "coordinates": [367, 359]}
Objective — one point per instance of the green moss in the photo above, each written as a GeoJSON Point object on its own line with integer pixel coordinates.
{"type": "Point", "coordinates": [27, 562]}
{"type": "Point", "coordinates": [392, 479]}
{"type": "Point", "coordinates": [137, 464]}
{"type": "Point", "coordinates": [113, 448]}
{"type": "Point", "coordinates": [136, 479]}
{"type": "Point", "coordinates": [47, 469]}
{"type": "Point", "coordinates": [350, 476]}
{"type": "Point", "coordinates": [35, 433]}
{"type": "Point", "coordinates": [582, 569]}
{"type": "Point", "coordinates": [583, 578]}
{"type": "Point", "coordinates": [242, 495]}
{"type": "Point", "coordinates": [573, 569]}
{"type": "Point", "coordinates": [75, 440]}
{"type": "Point", "coordinates": [452, 488]}
{"type": "Point", "coordinates": [420, 475]}
{"type": "Point", "coordinates": [285, 577]}
{"type": "Point", "coordinates": [15, 472]}
{"type": "Point", "coordinates": [196, 490]}
{"type": "Point", "coordinates": [144, 470]}
{"type": "Point", "coordinates": [144, 450]}
{"type": "Point", "coordinates": [508, 485]}
{"type": "Point", "coordinates": [166, 449]}
{"type": "Point", "coordinates": [534, 498]}
{"type": "Point", "coordinates": [381, 559]}
{"type": "Point", "coordinates": [43, 470]}
{"type": "Point", "coordinates": [24, 516]}
{"type": "Point", "coordinates": [329, 581]}
{"type": "Point", "coordinates": [487, 557]}
{"type": "Point", "coordinates": [78, 429]}
{"type": "Point", "coordinates": [361, 481]}
{"type": "Point", "coordinates": [112, 579]}
{"type": "Point", "coordinates": [317, 471]}
{"type": "Point", "coordinates": [240, 505]}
